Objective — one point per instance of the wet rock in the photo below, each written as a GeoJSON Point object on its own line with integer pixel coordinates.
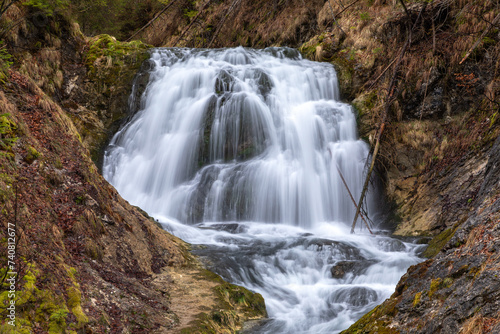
{"type": "Point", "coordinates": [264, 81]}
{"type": "Point", "coordinates": [391, 245]}
{"type": "Point", "coordinates": [342, 268]}
{"type": "Point", "coordinates": [458, 288]}
{"type": "Point", "coordinates": [429, 104]}
{"type": "Point", "coordinates": [224, 82]}
{"type": "Point", "coordinates": [355, 296]}
{"type": "Point", "coordinates": [197, 199]}
{"type": "Point", "coordinates": [233, 228]}
{"type": "Point", "coordinates": [204, 145]}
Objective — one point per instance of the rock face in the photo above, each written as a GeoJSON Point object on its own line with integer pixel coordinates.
{"type": "Point", "coordinates": [101, 95]}
{"type": "Point", "coordinates": [458, 289]}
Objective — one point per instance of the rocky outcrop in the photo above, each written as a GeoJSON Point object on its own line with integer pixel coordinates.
{"type": "Point", "coordinates": [457, 291]}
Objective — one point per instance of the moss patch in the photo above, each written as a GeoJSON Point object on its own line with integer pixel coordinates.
{"type": "Point", "coordinates": [416, 300]}
{"type": "Point", "coordinates": [116, 53]}
{"type": "Point", "coordinates": [438, 242]}
{"type": "Point", "coordinates": [7, 132]}
{"type": "Point", "coordinates": [31, 155]}
{"type": "Point", "coordinates": [233, 305]}
{"type": "Point", "coordinates": [375, 321]}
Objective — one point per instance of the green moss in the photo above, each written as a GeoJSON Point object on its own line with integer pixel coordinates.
{"type": "Point", "coordinates": [447, 282]}
{"type": "Point", "coordinates": [416, 300]}
{"type": "Point", "coordinates": [374, 321]}
{"type": "Point", "coordinates": [74, 303]}
{"type": "Point", "coordinates": [36, 306]}
{"type": "Point", "coordinates": [438, 242]}
{"type": "Point", "coordinates": [365, 16]}
{"type": "Point", "coordinates": [22, 326]}
{"type": "Point", "coordinates": [234, 305]}
{"type": "Point", "coordinates": [345, 73]}
{"type": "Point", "coordinates": [111, 66]}
{"type": "Point", "coordinates": [71, 273]}
{"type": "Point", "coordinates": [49, 7]}
{"type": "Point", "coordinates": [32, 155]}
{"type": "Point", "coordinates": [7, 132]}
{"type": "Point", "coordinates": [237, 297]}
{"type": "Point", "coordinates": [435, 285]}
{"type": "Point", "coordinates": [57, 321]}
{"type": "Point", "coordinates": [5, 62]}
{"type": "Point", "coordinates": [190, 13]}
{"type": "Point", "coordinates": [308, 49]}
{"type": "Point", "coordinates": [79, 199]}
{"type": "Point", "coordinates": [115, 52]}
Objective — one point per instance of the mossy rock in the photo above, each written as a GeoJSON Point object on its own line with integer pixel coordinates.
{"type": "Point", "coordinates": [345, 74]}
{"type": "Point", "coordinates": [113, 67]}
{"type": "Point", "coordinates": [234, 305]}
{"type": "Point", "coordinates": [438, 242]}
{"type": "Point", "coordinates": [252, 304]}
{"type": "Point", "coordinates": [31, 155]}
{"type": "Point", "coordinates": [114, 51]}
{"type": "Point", "coordinates": [375, 320]}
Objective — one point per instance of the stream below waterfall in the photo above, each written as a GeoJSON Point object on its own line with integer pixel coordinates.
{"type": "Point", "coordinates": [241, 152]}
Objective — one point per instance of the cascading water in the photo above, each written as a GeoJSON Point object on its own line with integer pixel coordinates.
{"type": "Point", "coordinates": [242, 151]}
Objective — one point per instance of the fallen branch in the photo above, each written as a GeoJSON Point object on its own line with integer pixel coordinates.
{"type": "Point", "coordinates": [221, 23]}
{"type": "Point", "coordinates": [4, 7]}
{"type": "Point", "coordinates": [347, 7]}
{"type": "Point", "coordinates": [334, 20]}
{"type": "Point", "coordinates": [388, 103]}
{"type": "Point", "coordinates": [151, 21]}
{"type": "Point", "coordinates": [381, 74]}
{"type": "Point", "coordinates": [340, 3]}
{"type": "Point", "coordinates": [352, 198]}
{"type": "Point", "coordinates": [480, 38]}
{"type": "Point", "coordinates": [389, 100]}
{"type": "Point", "coordinates": [406, 9]}
{"type": "Point", "coordinates": [192, 22]}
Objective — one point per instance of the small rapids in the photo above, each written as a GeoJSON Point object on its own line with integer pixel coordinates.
{"type": "Point", "coordinates": [242, 151]}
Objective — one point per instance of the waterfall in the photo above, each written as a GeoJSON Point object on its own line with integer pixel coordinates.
{"type": "Point", "coordinates": [250, 145]}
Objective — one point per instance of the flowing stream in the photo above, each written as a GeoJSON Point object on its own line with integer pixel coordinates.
{"type": "Point", "coordinates": [242, 151]}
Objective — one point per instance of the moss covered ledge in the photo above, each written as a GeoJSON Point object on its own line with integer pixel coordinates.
{"type": "Point", "coordinates": [204, 303]}
{"type": "Point", "coordinates": [102, 99]}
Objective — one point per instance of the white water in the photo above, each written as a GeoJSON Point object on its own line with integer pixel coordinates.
{"type": "Point", "coordinates": [246, 147]}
